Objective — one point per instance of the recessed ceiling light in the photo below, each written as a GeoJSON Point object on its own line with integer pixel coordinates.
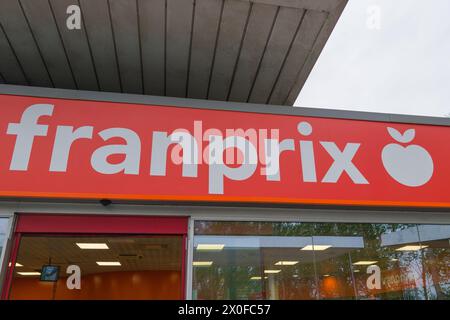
{"type": "Point", "coordinates": [109, 263]}
{"type": "Point", "coordinates": [316, 247]}
{"type": "Point", "coordinates": [411, 248]}
{"type": "Point", "coordinates": [32, 273]}
{"type": "Point", "coordinates": [286, 263]}
{"type": "Point", "coordinates": [17, 265]}
{"type": "Point", "coordinates": [356, 270]}
{"type": "Point", "coordinates": [295, 275]}
{"type": "Point", "coordinates": [272, 271]}
{"type": "Point", "coordinates": [257, 278]}
{"type": "Point", "coordinates": [394, 259]}
{"type": "Point", "coordinates": [91, 246]}
{"type": "Point", "coordinates": [211, 247]}
{"type": "Point", "coordinates": [364, 263]}
{"type": "Point", "coordinates": [326, 275]}
{"type": "Point", "coordinates": [202, 263]}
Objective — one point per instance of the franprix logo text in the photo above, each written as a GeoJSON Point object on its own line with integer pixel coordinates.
{"type": "Point", "coordinates": [231, 154]}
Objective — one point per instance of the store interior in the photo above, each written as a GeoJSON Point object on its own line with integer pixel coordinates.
{"type": "Point", "coordinates": [111, 267]}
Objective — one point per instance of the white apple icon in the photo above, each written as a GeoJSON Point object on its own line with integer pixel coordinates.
{"type": "Point", "coordinates": [411, 166]}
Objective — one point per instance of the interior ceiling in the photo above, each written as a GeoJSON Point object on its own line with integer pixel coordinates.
{"type": "Point", "coordinates": [158, 253]}
{"type": "Point", "coordinates": [258, 51]}
{"type": "Point", "coordinates": [134, 253]}
{"type": "Point", "coordinates": [269, 256]}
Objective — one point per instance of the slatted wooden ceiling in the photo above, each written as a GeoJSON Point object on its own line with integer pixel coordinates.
{"type": "Point", "coordinates": [258, 51]}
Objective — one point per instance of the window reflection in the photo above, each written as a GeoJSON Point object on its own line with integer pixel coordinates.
{"type": "Point", "coordinates": [265, 260]}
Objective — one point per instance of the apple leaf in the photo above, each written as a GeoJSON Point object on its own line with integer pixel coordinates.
{"type": "Point", "coordinates": [409, 135]}
{"type": "Point", "coordinates": [406, 137]}
{"type": "Point", "coordinates": [394, 134]}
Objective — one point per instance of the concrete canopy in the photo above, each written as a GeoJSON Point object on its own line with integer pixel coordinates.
{"type": "Point", "coordinates": [258, 51]}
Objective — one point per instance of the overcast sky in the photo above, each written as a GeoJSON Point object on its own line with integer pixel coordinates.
{"type": "Point", "coordinates": [402, 67]}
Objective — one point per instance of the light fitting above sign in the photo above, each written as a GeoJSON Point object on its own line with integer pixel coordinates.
{"type": "Point", "coordinates": [57, 148]}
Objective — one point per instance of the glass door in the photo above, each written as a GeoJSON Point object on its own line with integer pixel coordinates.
{"type": "Point", "coordinates": [92, 257]}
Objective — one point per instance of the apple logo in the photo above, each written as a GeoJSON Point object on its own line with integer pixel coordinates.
{"type": "Point", "coordinates": [411, 166]}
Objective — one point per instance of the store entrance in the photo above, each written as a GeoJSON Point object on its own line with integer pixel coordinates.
{"type": "Point", "coordinates": [97, 257]}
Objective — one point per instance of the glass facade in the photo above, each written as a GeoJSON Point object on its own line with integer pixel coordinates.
{"type": "Point", "coordinates": [243, 260]}
{"type": "Point", "coordinates": [4, 225]}
{"type": "Point", "coordinates": [292, 260]}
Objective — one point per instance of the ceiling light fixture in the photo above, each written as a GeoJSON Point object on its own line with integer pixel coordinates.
{"type": "Point", "coordinates": [210, 247]}
{"type": "Point", "coordinates": [109, 263]}
{"type": "Point", "coordinates": [32, 273]}
{"type": "Point", "coordinates": [202, 263]}
{"type": "Point", "coordinates": [272, 271]}
{"type": "Point", "coordinates": [286, 263]}
{"type": "Point", "coordinates": [316, 247]}
{"type": "Point", "coordinates": [93, 246]}
{"type": "Point", "coordinates": [364, 263]}
{"type": "Point", "coordinates": [258, 278]}
{"type": "Point", "coordinates": [411, 248]}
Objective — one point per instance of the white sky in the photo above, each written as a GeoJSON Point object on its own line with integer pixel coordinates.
{"type": "Point", "coordinates": [402, 67]}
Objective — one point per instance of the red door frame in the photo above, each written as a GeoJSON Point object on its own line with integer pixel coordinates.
{"type": "Point", "coordinates": [95, 224]}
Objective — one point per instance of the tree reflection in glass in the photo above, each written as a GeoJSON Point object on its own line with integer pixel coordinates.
{"type": "Point", "coordinates": [293, 260]}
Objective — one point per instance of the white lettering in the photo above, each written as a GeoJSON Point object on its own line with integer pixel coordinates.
{"type": "Point", "coordinates": [342, 162]}
{"type": "Point", "coordinates": [218, 170]}
{"type": "Point", "coordinates": [374, 280]}
{"type": "Point", "coordinates": [161, 143]}
{"type": "Point", "coordinates": [74, 20]}
{"type": "Point", "coordinates": [74, 280]}
{"type": "Point", "coordinates": [26, 130]}
{"type": "Point", "coordinates": [65, 137]}
{"type": "Point", "coordinates": [131, 150]}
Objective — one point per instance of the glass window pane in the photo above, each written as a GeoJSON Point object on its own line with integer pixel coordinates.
{"type": "Point", "coordinates": [371, 264]}
{"type": "Point", "coordinates": [253, 260]}
{"type": "Point", "coordinates": [292, 260]}
{"type": "Point", "coordinates": [435, 240]}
